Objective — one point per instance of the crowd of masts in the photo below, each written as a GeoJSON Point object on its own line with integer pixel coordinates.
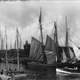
{"type": "Point", "coordinates": [17, 46]}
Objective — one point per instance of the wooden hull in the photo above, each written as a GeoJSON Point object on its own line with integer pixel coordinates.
{"type": "Point", "coordinates": [63, 72]}
{"type": "Point", "coordinates": [40, 67]}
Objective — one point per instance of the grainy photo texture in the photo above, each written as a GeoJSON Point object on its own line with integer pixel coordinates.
{"type": "Point", "coordinates": [39, 40]}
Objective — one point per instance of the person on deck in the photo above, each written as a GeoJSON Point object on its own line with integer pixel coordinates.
{"type": "Point", "coordinates": [27, 48]}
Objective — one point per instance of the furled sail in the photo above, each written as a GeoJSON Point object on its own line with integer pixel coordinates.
{"type": "Point", "coordinates": [36, 49]}
{"type": "Point", "coordinates": [50, 50]}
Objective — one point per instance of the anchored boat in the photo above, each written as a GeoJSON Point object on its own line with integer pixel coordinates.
{"type": "Point", "coordinates": [45, 55]}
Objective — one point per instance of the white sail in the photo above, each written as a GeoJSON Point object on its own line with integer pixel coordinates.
{"type": "Point", "coordinates": [72, 54]}
{"type": "Point", "coordinates": [76, 51]}
{"type": "Point", "coordinates": [64, 57]}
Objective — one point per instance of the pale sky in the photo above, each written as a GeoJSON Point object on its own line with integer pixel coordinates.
{"type": "Point", "coordinates": [24, 15]}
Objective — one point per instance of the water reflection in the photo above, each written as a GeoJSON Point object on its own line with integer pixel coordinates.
{"type": "Point", "coordinates": [59, 77]}
{"type": "Point", "coordinates": [42, 75]}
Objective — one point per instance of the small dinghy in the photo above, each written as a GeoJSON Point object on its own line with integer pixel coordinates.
{"type": "Point", "coordinates": [63, 72]}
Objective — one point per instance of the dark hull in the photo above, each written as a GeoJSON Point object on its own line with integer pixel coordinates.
{"type": "Point", "coordinates": [45, 71]}
{"type": "Point", "coordinates": [40, 67]}
{"type": "Point", "coordinates": [72, 65]}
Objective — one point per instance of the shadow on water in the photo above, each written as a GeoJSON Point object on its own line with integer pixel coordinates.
{"type": "Point", "coordinates": [48, 75]}
{"type": "Point", "coordinates": [42, 75]}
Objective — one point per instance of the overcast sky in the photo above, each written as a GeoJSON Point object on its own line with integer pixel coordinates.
{"type": "Point", "coordinates": [25, 15]}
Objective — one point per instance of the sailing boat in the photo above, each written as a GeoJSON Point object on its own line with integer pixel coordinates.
{"type": "Point", "coordinates": [71, 66]}
{"type": "Point", "coordinates": [38, 52]}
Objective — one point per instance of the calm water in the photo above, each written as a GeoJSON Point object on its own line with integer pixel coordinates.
{"type": "Point", "coordinates": [68, 77]}
{"type": "Point", "coordinates": [34, 75]}
{"type": "Point", "coordinates": [44, 75]}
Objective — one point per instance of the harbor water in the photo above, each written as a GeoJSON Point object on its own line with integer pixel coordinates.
{"type": "Point", "coordinates": [59, 77]}
{"type": "Point", "coordinates": [34, 75]}
{"type": "Point", "coordinates": [45, 75]}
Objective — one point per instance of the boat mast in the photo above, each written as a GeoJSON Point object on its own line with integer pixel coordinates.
{"type": "Point", "coordinates": [56, 41]}
{"type": "Point", "coordinates": [0, 38]}
{"type": "Point", "coordinates": [6, 56]}
{"type": "Point", "coordinates": [40, 23]}
{"type": "Point", "coordinates": [15, 44]}
{"type": "Point", "coordinates": [66, 43]}
{"type": "Point", "coordinates": [56, 35]}
{"type": "Point", "coordinates": [1, 41]}
{"type": "Point", "coordinates": [20, 41]}
{"type": "Point", "coordinates": [17, 36]}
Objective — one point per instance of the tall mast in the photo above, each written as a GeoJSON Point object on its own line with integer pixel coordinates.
{"type": "Point", "coordinates": [40, 23]}
{"type": "Point", "coordinates": [15, 44]}
{"type": "Point", "coordinates": [55, 34]}
{"type": "Point", "coordinates": [0, 38]}
{"type": "Point", "coordinates": [66, 43]}
{"type": "Point", "coordinates": [56, 41]}
{"type": "Point", "coordinates": [20, 41]}
{"type": "Point", "coordinates": [17, 36]}
{"type": "Point", "coordinates": [2, 43]}
{"type": "Point", "coordinates": [6, 56]}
